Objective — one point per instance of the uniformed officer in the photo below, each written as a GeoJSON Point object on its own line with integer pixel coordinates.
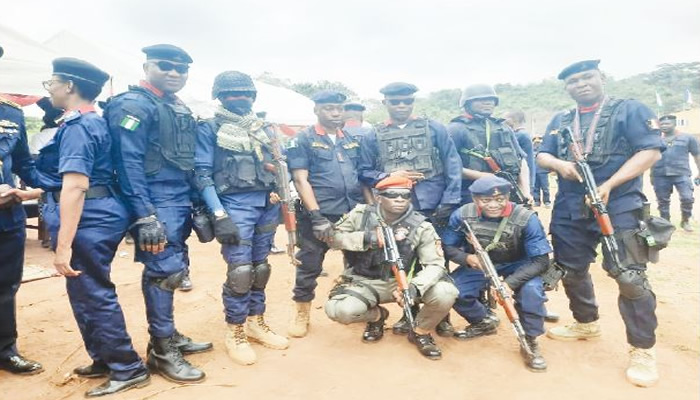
{"type": "Point", "coordinates": [368, 281]}
{"type": "Point", "coordinates": [621, 140]}
{"type": "Point", "coordinates": [477, 134]}
{"type": "Point", "coordinates": [673, 170]}
{"type": "Point", "coordinates": [232, 164]}
{"type": "Point", "coordinates": [14, 159]}
{"type": "Point", "coordinates": [323, 161]}
{"type": "Point", "coordinates": [516, 121]}
{"type": "Point", "coordinates": [86, 222]}
{"type": "Point", "coordinates": [517, 245]}
{"type": "Point", "coordinates": [154, 144]}
{"type": "Point", "coordinates": [541, 184]}
{"type": "Point", "coordinates": [354, 123]}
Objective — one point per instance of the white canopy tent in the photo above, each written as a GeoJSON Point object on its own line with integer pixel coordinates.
{"type": "Point", "coordinates": [27, 63]}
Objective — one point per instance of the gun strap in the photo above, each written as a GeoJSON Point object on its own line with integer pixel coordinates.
{"type": "Point", "coordinates": [591, 128]}
{"type": "Point", "coordinates": [343, 289]}
{"type": "Point", "coordinates": [499, 232]}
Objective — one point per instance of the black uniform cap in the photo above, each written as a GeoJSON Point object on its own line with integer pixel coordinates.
{"type": "Point", "coordinates": [354, 106]}
{"type": "Point", "coordinates": [167, 52]}
{"type": "Point", "coordinates": [577, 67]}
{"type": "Point", "coordinates": [398, 89]}
{"type": "Point", "coordinates": [667, 117]}
{"type": "Point", "coordinates": [328, 97]}
{"type": "Point", "coordinates": [75, 69]}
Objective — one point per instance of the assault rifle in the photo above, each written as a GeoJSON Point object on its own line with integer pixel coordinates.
{"type": "Point", "coordinates": [279, 168]}
{"type": "Point", "coordinates": [600, 211]}
{"type": "Point", "coordinates": [502, 292]}
{"type": "Point", "coordinates": [392, 257]}
{"type": "Point", "coordinates": [517, 192]}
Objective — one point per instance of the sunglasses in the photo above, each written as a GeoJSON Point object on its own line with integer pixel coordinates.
{"type": "Point", "coordinates": [168, 66]}
{"type": "Point", "coordinates": [396, 102]}
{"type": "Point", "coordinates": [396, 195]}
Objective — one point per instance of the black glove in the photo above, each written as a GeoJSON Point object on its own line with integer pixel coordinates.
{"type": "Point", "coordinates": [226, 231]}
{"type": "Point", "coordinates": [151, 232]}
{"type": "Point", "coordinates": [321, 227]}
{"type": "Point", "coordinates": [371, 240]}
{"type": "Point", "coordinates": [441, 216]}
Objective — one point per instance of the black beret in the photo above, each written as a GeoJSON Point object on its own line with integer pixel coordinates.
{"type": "Point", "coordinates": [489, 186]}
{"type": "Point", "coordinates": [328, 96]}
{"type": "Point", "coordinates": [354, 106]}
{"type": "Point", "coordinates": [167, 52]}
{"type": "Point", "coordinates": [75, 69]}
{"type": "Point", "coordinates": [398, 89]}
{"type": "Point", "coordinates": [667, 117]}
{"type": "Point", "coordinates": [577, 67]}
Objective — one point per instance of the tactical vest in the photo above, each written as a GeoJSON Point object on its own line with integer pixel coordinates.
{"type": "Point", "coordinates": [371, 263]}
{"type": "Point", "coordinates": [605, 142]}
{"type": "Point", "coordinates": [509, 247]}
{"type": "Point", "coordinates": [409, 149]}
{"type": "Point", "coordinates": [177, 135]}
{"type": "Point", "coordinates": [236, 172]}
{"type": "Point", "coordinates": [500, 146]}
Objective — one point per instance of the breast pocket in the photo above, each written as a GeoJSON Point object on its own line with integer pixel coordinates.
{"type": "Point", "coordinates": [322, 159]}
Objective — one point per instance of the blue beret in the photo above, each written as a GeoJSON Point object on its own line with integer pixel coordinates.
{"type": "Point", "coordinates": [75, 69]}
{"type": "Point", "coordinates": [577, 67]}
{"type": "Point", "coordinates": [354, 106]}
{"type": "Point", "coordinates": [328, 96]}
{"type": "Point", "coordinates": [398, 89]}
{"type": "Point", "coordinates": [167, 52]}
{"type": "Point", "coordinates": [667, 117]}
{"type": "Point", "coordinates": [489, 186]}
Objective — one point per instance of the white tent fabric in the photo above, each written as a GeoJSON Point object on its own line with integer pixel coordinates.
{"type": "Point", "coordinates": [27, 63]}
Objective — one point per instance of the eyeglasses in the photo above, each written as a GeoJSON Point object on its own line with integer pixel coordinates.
{"type": "Point", "coordinates": [396, 102]}
{"type": "Point", "coordinates": [396, 195]}
{"type": "Point", "coordinates": [166, 66]}
{"type": "Point", "coordinates": [47, 84]}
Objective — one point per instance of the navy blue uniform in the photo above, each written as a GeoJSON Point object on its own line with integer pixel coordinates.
{"type": "Point", "coordinates": [673, 170]}
{"type": "Point", "coordinates": [576, 234]}
{"type": "Point", "coordinates": [459, 130]}
{"type": "Point", "coordinates": [135, 127]}
{"type": "Point", "coordinates": [82, 145]}
{"type": "Point", "coordinates": [529, 291]}
{"type": "Point", "coordinates": [333, 176]}
{"type": "Point", "coordinates": [440, 189]}
{"type": "Point", "coordinates": [14, 159]}
{"type": "Point", "coordinates": [256, 218]}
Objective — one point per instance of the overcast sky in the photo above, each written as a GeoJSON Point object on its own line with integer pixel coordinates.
{"type": "Point", "coordinates": [434, 44]}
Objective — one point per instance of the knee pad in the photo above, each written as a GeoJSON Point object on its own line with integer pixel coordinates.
{"type": "Point", "coordinates": [170, 282]}
{"type": "Point", "coordinates": [633, 284]}
{"type": "Point", "coordinates": [239, 278]}
{"type": "Point", "coordinates": [261, 274]}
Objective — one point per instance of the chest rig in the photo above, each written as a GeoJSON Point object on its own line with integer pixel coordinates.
{"type": "Point", "coordinates": [502, 239]}
{"type": "Point", "coordinates": [498, 144]}
{"type": "Point", "coordinates": [177, 135]}
{"type": "Point", "coordinates": [243, 170]}
{"type": "Point", "coordinates": [410, 148]}
{"type": "Point", "coordinates": [605, 142]}
{"type": "Point", "coordinates": [371, 263]}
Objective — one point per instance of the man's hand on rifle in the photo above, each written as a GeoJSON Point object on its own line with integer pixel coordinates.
{"type": "Point", "coordinates": [274, 198]}
{"type": "Point", "coordinates": [604, 192]}
{"type": "Point", "coordinates": [372, 240]}
{"type": "Point", "coordinates": [474, 262]}
{"type": "Point", "coordinates": [568, 171]}
{"type": "Point", "coordinates": [412, 175]}
{"type": "Point", "coordinates": [412, 293]}
{"type": "Point", "coordinates": [321, 227]}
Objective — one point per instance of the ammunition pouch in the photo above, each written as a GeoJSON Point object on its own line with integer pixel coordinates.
{"type": "Point", "coordinates": [202, 225]}
{"type": "Point", "coordinates": [552, 276]}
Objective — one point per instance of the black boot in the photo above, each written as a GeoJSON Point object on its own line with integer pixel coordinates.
{"type": "Point", "coordinates": [486, 326]}
{"type": "Point", "coordinates": [19, 365]}
{"type": "Point", "coordinates": [166, 359]}
{"type": "Point", "coordinates": [187, 346]}
{"type": "Point", "coordinates": [685, 224]}
{"type": "Point", "coordinates": [97, 369]}
{"type": "Point", "coordinates": [402, 327]}
{"type": "Point", "coordinates": [536, 362]}
{"type": "Point", "coordinates": [551, 317]}
{"type": "Point", "coordinates": [110, 386]}
{"type": "Point", "coordinates": [426, 345]}
{"type": "Point", "coordinates": [445, 328]}
{"type": "Point", "coordinates": [374, 331]}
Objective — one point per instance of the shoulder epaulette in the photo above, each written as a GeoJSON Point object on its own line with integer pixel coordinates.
{"type": "Point", "coordinates": [10, 103]}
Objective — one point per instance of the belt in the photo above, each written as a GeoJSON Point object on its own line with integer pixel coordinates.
{"type": "Point", "coordinates": [94, 192]}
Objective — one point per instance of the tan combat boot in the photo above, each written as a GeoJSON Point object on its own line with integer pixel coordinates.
{"type": "Point", "coordinates": [575, 331]}
{"type": "Point", "coordinates": [300, 325]}
{"type": "Point", "coordinates": [237, 345]}
{"type": "Point", "coordinates": [259, 332]}
{"type": "Point", "coordinates": [642, 368]}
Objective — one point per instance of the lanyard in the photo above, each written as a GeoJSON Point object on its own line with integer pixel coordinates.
{"type": "Point", "coordinates": [591, 128]}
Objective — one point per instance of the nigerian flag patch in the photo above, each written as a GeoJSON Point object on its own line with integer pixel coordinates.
{"type": "Point", "coordinates": [130, 123]}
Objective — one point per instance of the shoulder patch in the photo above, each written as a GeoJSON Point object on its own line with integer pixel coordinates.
{"type": "Point", "coordinates": [291, 143]}
{"type": "Point", "coordinates": [130, 123]}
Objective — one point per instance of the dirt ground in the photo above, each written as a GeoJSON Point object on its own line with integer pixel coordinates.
{"type": "Point", "coordinates": [332, 362]}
